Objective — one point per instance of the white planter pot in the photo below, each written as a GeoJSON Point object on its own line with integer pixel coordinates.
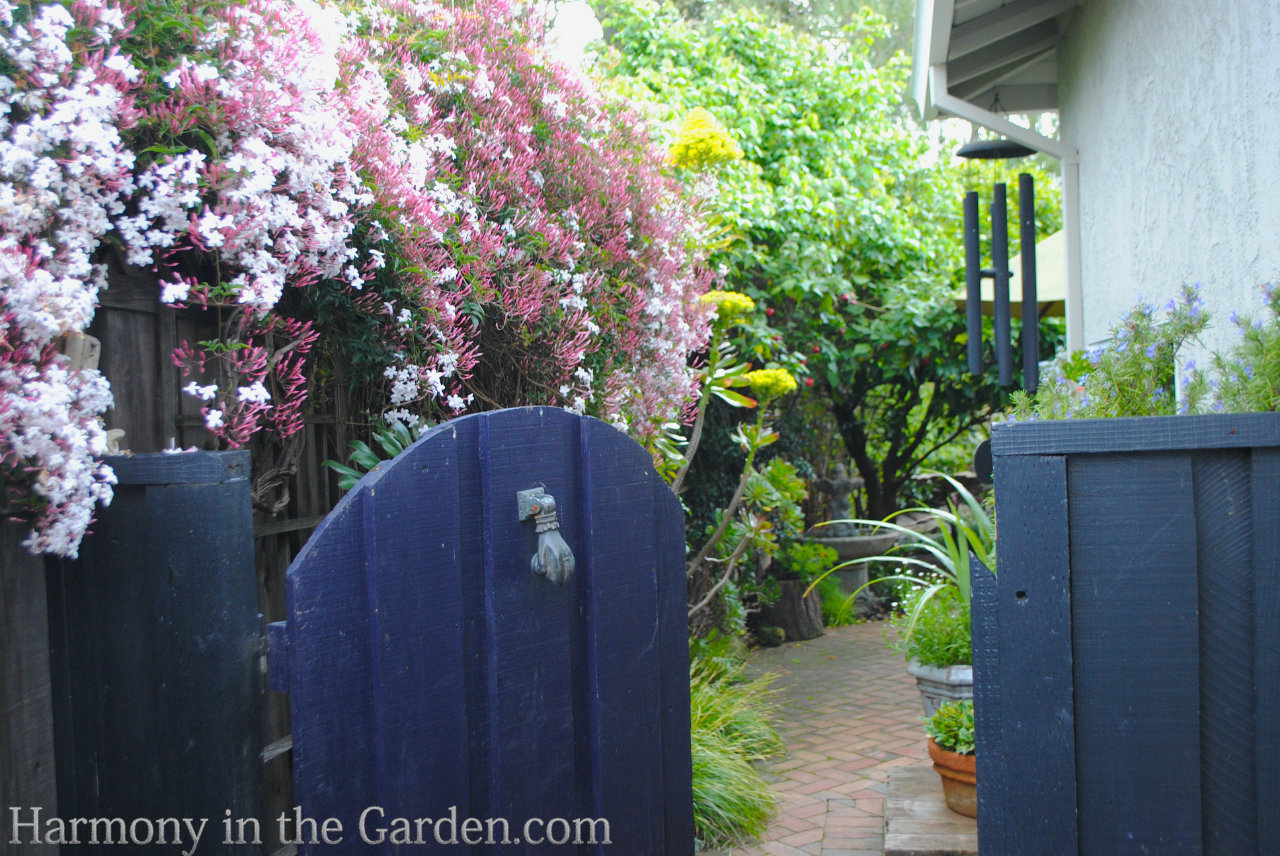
{"type": "Point", "coordinates": [938, 684]}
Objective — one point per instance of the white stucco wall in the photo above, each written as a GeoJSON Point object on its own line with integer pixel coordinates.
{"type": "Point", "coordinates": [1174, 106]}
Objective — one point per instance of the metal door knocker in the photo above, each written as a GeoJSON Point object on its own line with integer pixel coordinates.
{"type": "Point", "coordinates": [554, 559]}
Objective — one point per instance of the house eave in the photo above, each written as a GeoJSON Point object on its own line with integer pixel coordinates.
{"type": "Point", "coordinates": [998, 55]}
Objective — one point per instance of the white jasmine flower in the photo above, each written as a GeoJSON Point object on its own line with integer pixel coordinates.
{"type": "Point", "coordinates": [256, 393]}
{"type": "Point", "coordinates": [204, 393]}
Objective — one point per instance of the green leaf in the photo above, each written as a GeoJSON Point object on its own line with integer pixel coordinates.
{"type": "Point", "coordinates": [735, 398]}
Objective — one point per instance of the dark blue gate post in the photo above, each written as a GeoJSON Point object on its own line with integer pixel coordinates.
{"type": "Point", "coordinates": [156, 650]}
{"type": "Point", "coordinates": [436, 677]}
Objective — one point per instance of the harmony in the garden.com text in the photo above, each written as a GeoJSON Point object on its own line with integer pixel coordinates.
{"type": "Point", "coordinates": [374, 826]}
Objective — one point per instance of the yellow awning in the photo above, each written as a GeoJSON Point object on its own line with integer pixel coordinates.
{"type": "Point", "coordinates": [1051, 279]}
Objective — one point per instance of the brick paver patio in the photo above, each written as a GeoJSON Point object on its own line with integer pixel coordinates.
{"type": "Point", "coordinates": [848, 713]}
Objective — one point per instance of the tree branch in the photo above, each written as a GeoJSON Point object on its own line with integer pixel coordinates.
{"type": "Point", "coordinates": [724, 580]}
{"type": "Point", "coordinates": [976, 420]}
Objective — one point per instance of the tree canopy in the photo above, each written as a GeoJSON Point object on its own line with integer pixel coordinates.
{"type": "Point", "coordinates": [838, 220]}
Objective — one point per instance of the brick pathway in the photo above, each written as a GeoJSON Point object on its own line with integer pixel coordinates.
{"type": "Point", "coordinates": [848, 712]}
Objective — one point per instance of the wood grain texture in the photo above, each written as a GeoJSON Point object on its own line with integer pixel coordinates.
{"type": "Point", "coordinates": [26, 711]}
{"type": "Point", "coordinates": [1134, 635]}
{"type": "Point", "coordinates": [1034, 603]}
{"type": "Point", "coordinates": [988, 708]}
{"type": "Point", "coordinates": [1265, 482]}
{"type": "Point", "coordinates": [1224, 541]}
{"type": "Point", "coordinates": [432, 669]}
{"type": "Point", "coordinates": [161, 469]}
{"type": "Point", "coordinates": [1175, 601]}
{"type": "Point", "coordinates": [673, 642]}
{"type": "Point", "coordinates": [1148, 434]}
{"type": "Point", "coordinates": [156, 633]}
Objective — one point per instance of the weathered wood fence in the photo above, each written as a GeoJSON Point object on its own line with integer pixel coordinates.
{"type": "Point", "coordinates": [1127, 656]}
{"type": "Point", "coordinates": [26, 712]}
{"type": "Point", "coordinates": [156, 649]}
{"type": "Point", "coordinates": [138, 336]}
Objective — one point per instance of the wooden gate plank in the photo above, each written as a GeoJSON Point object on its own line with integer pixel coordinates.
{"type": "Point", "coordinates": [1134, 600]}
{"type": "Point", "coordinates": [1034, 605]}
{"type": "Point", "coordinates": [1224, 528]}
{"type": "Point", "coordinates": [988, 707]}
{"type": "Point", "coordinates": [26, 698]}
{"type": "Point", "coordinates": [625, 628]}
{"type": "Point", "coordinates": [331, 695]}
{"type": "Point", "coordinates": [1265, 476]}
{"type": "Point", "coordinates": [531, 710]}
{"type": "Point", "coordinates": [673, 642]}
{"type": "Point", "coordinates": [413, 525]}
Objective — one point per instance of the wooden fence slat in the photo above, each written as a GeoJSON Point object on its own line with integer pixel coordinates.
{"type": "Point", "coordinates": [1034, 600]}
{"type": "Point", "coordinates": [329, 638]}
{"type": "Point", "coordinates": [278, 656]}
{"type": "Point", "coordinates": [673, 642]}
{"type": "Point", "coordinates": [588, 703]}
{"type": "Point", "coordinates": [1265, 476]}
{"type": "Point", "coordinates": [988, 707]}
{"type": "Point", "coordinates": [26, 708]}
{"type": "Point", "coordinates": [1145, 434]}
{"type": "Point", "coordinates": [1134, 601]}
{"type": "Point", "coordinates": [1224, 525]}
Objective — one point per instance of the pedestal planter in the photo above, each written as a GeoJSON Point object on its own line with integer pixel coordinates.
{"type": "Point", "coordinates": [959, 779]}
{"type": "Point", "coordinates": [938, 684]}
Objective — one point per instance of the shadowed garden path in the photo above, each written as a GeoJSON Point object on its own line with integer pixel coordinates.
{"type": "Point", "coordinates": [848, 713]}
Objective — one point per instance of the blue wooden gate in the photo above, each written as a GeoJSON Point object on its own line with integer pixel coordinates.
{"type": "Point", "coordinates": [443, 691]}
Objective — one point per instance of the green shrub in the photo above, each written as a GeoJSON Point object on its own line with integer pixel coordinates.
{"type": "Point", "coordinates": [951, 727]}
{"type": "Point", "coordinates": [939, 567]}
{"type": "Point", "coordinates": [1250, 371]}
{"type": "Point", "coordinates": [805, 560]}
{"type": "Point", "coordinates": [731, 728]}
{"type": "Point", "coordinates": [941, 633]}
{"type": "Point", "coordinates": [837, 607]}
{"type": "Point", "coordinates": [1134, 374]}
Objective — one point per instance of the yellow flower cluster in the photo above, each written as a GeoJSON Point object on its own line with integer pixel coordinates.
{"type": "Point", "coordinates": [768, 384]}
{"type": "Point", "coordinates": [728, 304]}
{"type": "Point", "coordinates": [703, 142]}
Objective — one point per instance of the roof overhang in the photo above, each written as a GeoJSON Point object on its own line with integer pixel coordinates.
{"type": "Point", "coordinates": [981, 59]}
{"type": "Point", "coordinates": [997, 55]}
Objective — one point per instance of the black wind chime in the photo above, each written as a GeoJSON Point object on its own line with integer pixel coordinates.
{"type": "Point", "coordinates": [974, 273]}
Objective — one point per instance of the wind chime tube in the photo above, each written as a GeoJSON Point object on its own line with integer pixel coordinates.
{"type": "Point", "coordinates": [1000, 264]}
{"type": "Point", "coordinates": [1030, 304]}
{"type": "Point", "coordinates": [973, 282]}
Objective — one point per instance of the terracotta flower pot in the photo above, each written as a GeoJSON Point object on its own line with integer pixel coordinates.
{"type": "Point", "coordinates": [959, 779]}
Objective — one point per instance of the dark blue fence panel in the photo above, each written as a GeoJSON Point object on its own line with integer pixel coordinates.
{"type": "Point", "coordinates": [434, 676]}
{"type": "Point", "coordinates": [156, 647]}
{"type": "Point", "coordinates": [1135, 709]}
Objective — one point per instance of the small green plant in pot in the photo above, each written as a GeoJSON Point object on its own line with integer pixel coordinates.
{"type": "Point", "coordinates": [951, 747]}
{"type": "Point", "coordinates": [935, 633]}
{"type": "Point", "coordinates": [933, 630]}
